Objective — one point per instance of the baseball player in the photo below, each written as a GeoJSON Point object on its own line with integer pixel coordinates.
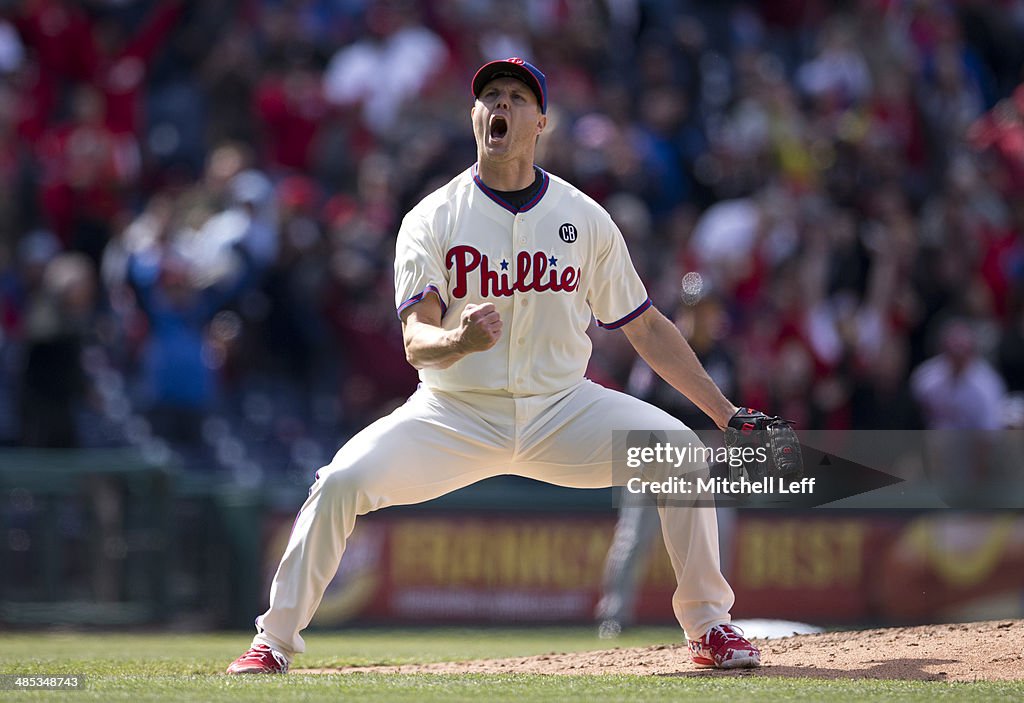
{"type": "Point", "coordinates": [497, 276]}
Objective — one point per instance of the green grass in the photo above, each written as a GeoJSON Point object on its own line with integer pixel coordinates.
{"type": "Point", "coordinates": [186, 667]}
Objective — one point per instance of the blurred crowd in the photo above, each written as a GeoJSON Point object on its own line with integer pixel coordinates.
{"type": "Point", "coordinates": [201, 202]}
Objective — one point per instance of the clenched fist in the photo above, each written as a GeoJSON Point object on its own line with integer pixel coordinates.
{"type": "Point", "coordinates": [480, 327]}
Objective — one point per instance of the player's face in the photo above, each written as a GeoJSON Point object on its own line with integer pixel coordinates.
{"type": "Point", "coordinates": [507, 120]}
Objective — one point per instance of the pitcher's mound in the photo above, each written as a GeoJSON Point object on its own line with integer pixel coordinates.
{"type": "Point", "coordinates": [980, 651]}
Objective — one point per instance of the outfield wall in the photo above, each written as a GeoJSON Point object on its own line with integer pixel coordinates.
{"type": "Point", "coordinates": [830, 568]}
{"type": "Point", "coordinates": [104, 538]}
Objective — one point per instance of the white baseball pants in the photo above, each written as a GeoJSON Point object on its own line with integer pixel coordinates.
{"type": "Point", "coordinates": [439, 442]}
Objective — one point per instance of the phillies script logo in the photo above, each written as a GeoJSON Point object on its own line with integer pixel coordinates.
{"type": "Point", "coordinates": [532, 272]}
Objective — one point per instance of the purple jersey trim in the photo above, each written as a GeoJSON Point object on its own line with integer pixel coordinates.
{"type": "Point", "coordinates": [420, 296]}
{"type": "Point", "coordinates": [628, 318]}
{"type": "Point", "coordinates": [545, 180]}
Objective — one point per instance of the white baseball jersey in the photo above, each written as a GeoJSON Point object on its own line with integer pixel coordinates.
{"type": "Point", "coordinates": [546, 268]}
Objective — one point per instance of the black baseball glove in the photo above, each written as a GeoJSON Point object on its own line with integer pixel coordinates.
{"type": "Point", "coordinates": [750, 430]}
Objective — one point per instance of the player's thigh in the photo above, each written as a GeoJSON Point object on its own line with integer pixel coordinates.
{"type": "Point", "coordinates": [430, 446]}
{"type": "Point", "coordinates": [573, 444]}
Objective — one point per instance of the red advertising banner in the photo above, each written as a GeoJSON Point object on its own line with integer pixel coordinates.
{"type": "Point", "coordinates": [806, 569]}
{"type": "Point", "coordinates": [828, 569]}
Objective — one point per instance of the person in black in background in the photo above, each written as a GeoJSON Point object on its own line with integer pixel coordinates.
{"type": "Point", "coordinates": [52, 380]}
{"type": "Point", "coordinates": [704, 325]}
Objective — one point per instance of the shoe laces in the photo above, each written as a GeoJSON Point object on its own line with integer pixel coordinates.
{"type": "Point", "coordinates": [260, 651]}
{"type": "Point", "coordinates": [727, 633]}
{"type": "Point", "coordinates": [256, 652]}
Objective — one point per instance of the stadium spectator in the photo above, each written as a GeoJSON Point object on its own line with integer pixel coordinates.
{"type": "Point", "coordinates": [958, 388]}
{"type": "Point", "coordinates": [389, 67]}
{"type": "Point", "coordinates": [57, 322]}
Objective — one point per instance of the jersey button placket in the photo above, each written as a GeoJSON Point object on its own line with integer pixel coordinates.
{"type": "Point", "coordinates": [516, 352]}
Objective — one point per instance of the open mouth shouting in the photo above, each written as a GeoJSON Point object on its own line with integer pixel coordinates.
{"type": "Point", "coordinates": [498, 129]}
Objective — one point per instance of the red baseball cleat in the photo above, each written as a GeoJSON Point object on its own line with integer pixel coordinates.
{"type": "Point", "coordinates": [725, 647]}
{"type": "Point", "coordinates": [260, 659]}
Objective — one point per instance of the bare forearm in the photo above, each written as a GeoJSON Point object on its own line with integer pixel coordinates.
{"type": "Point", "coordinates": [429, 347]}
{"type": "Point", "coordinates": [664, 348]}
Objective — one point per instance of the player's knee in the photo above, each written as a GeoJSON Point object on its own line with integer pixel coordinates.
{"type": "Point", "coordinates": [347, 486]}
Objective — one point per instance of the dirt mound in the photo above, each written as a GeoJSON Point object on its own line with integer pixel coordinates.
{"type": "Point", "coordinates": [966, 652]}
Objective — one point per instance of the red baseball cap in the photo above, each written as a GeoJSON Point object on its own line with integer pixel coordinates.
{"type": "Point", "coordinates": [517, 68]}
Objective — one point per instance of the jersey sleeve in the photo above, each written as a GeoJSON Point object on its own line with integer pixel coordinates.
{"type": "Point", "coordinates": [419, 268]}
{"type": "Point", "coordinates": [617, 295]}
